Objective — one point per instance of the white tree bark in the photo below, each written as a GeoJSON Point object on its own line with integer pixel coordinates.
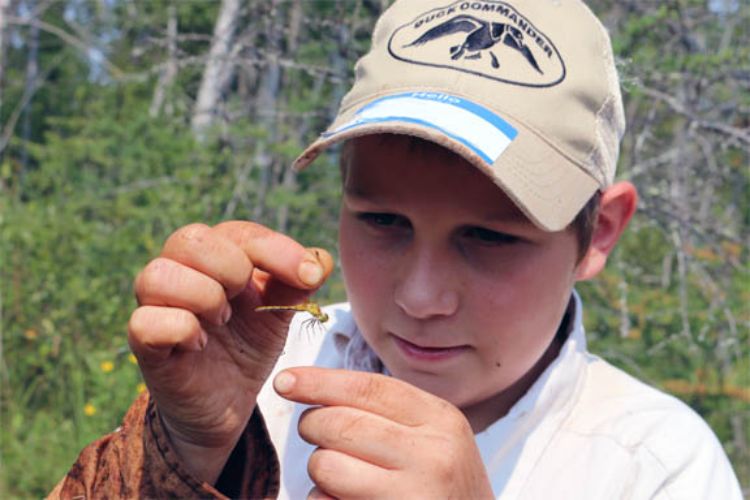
{"type": "Point", "coordinates": [216, 74]}
{"type": "Point", "coordinates": [267, 107]}
{"type": "Point", "coordinates": [169, 71]}
{"type": "Point", "coordinates": [32, 73]}
{"type": "Point", "coordinates": [289, 178]}
{"type": "Point", "coordinates": [4, 13]}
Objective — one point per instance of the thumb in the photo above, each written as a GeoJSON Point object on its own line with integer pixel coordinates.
{"type": "Point", "coordinates": [266, 289]}
{"type": "Point", "coordinates": [277, 292]}
{"type": "Point", "coordinates": [318, 494]}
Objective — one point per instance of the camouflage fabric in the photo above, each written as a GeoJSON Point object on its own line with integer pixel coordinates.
{"type": "Point", "coordinates": [137, 460]}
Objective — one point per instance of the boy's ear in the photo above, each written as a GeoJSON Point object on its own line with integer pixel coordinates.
{"type": "Point", "coordinates": [617, 206]}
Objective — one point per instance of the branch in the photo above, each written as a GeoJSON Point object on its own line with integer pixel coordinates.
{"type": "Point", "coordinates": [79, 44]}
{"type": "Point", "coordinates": [661, 209]}
{"type": "Point", "coordinates": [28, 93]}
{"type": "Point", "coordinates": [679, 107]}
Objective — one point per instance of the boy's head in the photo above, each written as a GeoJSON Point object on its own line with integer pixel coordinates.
{"type": "Point", "coordinates": [456, 259]}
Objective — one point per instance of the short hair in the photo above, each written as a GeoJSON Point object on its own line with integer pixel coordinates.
{"type": "Point", "coordinates": [583, 225]}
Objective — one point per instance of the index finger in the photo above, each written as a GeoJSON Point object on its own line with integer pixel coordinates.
{"type": "Point", "coordinates": [385, 396]}
{"type": "Point", "coordinates": [278, 254]}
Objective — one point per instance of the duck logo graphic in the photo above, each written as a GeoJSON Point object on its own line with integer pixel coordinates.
{"type": "Point", "coordinates": [489, 39]}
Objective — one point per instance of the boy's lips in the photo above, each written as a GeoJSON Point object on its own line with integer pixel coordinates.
{"type": "Point", "coordinates": [424, 353]}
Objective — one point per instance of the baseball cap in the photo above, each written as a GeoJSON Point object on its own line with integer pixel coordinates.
{"type": "Point", "coordinates": [527, 91]}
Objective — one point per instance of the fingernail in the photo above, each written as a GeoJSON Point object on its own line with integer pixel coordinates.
{"type": "Point", "coordinates": [226, 314]}
{"type": "Point", "coordinates": [310, 272]}
{"type": "Point", "coordinates": [202, 339]}
{"type": "Point", "coordinates": [284, 382]}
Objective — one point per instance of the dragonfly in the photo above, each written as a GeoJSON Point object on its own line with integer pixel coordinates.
{"type": "Point", "coordinates": [312, 308]}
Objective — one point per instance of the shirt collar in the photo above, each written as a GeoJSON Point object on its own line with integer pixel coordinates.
{"type": "Point", "coordinates": [556, 384]}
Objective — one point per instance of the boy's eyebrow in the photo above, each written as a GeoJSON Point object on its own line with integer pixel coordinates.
{"type": "Point", "coordinates": [515, 218]}
{"type": "Point", "coordinates": [359, 193]}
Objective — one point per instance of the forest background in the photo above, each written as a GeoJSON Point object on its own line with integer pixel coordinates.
{"type": "Point", "coordinates": [122, 120]}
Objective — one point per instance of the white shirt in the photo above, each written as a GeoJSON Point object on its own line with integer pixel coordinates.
{"type": "Point", "coordinates": [584, 430]}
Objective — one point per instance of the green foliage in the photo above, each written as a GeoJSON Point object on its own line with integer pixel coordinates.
{"type": "Point", "coordinates": [103, 196]}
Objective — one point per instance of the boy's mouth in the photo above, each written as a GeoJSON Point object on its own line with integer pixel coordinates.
{"type": "Point", "coordinates": [424, 353]}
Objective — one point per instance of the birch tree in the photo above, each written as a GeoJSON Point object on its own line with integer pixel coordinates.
{"type": "Point", "coordinates": [218, 69]}
{"type": "Point", "coordinates": [169, 68]}
{"type": "Point", "coordinates": [5, 9]}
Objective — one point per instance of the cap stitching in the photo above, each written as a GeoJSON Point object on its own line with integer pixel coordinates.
{"type": "Point", "coordinates": [556, 201]}
{"type": "Point", "coordinates": [599, 167]}
{"type": "Point", "coordinates": [523, 175]}
{"type": "Point", "coordinates": [608, 158]}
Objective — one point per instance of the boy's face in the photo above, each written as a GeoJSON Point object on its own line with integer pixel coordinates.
{"type": "Point", "coordinates": [453, 287]}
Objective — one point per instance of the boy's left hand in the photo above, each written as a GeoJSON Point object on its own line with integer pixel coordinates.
{"type": "Point", "coordinates": [380, 437]}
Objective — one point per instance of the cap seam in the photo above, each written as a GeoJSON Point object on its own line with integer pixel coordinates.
{"type": "Point", "coordinates": [523, 175]}
{"type": "Point", "coordinates": [591, 152]}
{"type": "Point", "coordinates": [532, 188]}
{"type": "Point", "coordinates": [612, 83]}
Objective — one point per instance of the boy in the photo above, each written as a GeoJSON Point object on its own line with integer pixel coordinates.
{"type": "Point", "coordinates": [480, 146]}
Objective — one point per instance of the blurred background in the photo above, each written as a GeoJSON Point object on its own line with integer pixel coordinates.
{"type": "Point", "coordinates": [122, 120]}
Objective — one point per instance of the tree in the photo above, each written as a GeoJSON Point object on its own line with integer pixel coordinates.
{"type": "Point", "coordinates": [218, 70]}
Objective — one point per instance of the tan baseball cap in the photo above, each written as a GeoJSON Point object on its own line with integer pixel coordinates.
{"type": "Point", "coordinates": [525, 90]}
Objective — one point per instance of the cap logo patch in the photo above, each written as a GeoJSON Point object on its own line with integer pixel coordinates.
{"type": "Point", "coordinates": [489, 39]}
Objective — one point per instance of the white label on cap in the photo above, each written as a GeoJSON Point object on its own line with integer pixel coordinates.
{"type": "Point", "coordinates": [464, 121]}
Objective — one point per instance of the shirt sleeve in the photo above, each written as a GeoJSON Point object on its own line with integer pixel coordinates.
{"type": "Point", "coordinates": [137, 460]}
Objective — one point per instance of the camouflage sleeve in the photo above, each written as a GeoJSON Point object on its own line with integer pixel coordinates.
{"type": "Point", "coordinates": [137, 460]}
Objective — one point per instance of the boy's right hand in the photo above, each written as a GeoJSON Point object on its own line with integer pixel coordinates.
{"type": "Point", "coordinates": [203, 350]}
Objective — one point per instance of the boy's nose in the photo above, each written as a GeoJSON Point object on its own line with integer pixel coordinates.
{"type": "Point", "coordinates": [426, 286]}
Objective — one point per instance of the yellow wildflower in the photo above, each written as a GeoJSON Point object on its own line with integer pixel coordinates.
{"type": "Point", "coordinates": [131, 358]}
{"type": "Point", "coordinates": [140, 387]}
{"type": "Point", "coordinates": [30, 334]}
{"type": "Point", "coordinates": [89, 409]}
{"type": "Point", "coordinates": [107, 366]}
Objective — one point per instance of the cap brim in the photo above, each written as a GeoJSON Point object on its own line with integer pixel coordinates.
{"type": "Point", "coordinates": [547, 186]}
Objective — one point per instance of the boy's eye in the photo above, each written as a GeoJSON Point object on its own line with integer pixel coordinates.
{"type": "Point", "coordinates": [489, 237]}
{"type": "Point", "coordinates": [383, 219]}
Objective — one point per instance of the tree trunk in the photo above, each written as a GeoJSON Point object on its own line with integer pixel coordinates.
{"type": "Point", "coordinates": [289, 181]}
{"type": "Point", "coordinates": [267, 108]}
{"type": "Point", "coordinates": [340, 62]}
{"type": "Point", "coordinates": [169, 72]}
{"type": "Point", "coordinates": [216, 74]}
{"type": "Point", "coordinates": [5, 10]}
{"type": "Point", "coordinates": [32, 71]}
